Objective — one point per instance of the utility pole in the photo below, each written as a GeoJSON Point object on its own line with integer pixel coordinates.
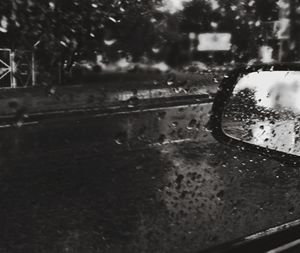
{"type": "Point", "coordinates": [284, 30]}
{"type": "Point", "coordinates": [13, 70]}
{"type": "Point", "coordinates": [295, 32]}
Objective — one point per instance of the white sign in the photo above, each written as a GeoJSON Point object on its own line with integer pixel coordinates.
{"type": "Point", "coordinates": [214, 42]}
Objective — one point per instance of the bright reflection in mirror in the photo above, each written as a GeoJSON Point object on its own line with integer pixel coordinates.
{"type": "Point", "coordinates": [264, 110]}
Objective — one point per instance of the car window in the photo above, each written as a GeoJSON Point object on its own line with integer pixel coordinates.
{"type": "Point", "coordinates": [104, 123]}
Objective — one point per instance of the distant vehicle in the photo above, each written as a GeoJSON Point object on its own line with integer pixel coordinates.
{"type": "Point", "coordinates": [85, 67]}
{"type": "Point", "coordinates": [195, 66]}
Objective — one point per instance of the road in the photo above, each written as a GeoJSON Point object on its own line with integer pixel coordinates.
{"type": "Point", "coordinates": [149, 180]}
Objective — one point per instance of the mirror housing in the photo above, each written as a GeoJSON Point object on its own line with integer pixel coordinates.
{"type": "Point", "coordinates": [224, 97]}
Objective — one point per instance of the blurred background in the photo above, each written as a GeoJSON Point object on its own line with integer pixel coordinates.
{"type": "Point", "coordinates": [55, 41]}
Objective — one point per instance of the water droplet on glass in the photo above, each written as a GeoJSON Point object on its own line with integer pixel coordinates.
{"type": "Point", "coordinates": [120, 138]}
{"type": "Point", "coordinates": [156, 50]}
{"type": "Point", "coordinates": [112, 19]}
{"type": "Point", "coordinates": [52, 5]}
{"type": "Point", "coordinates": [192, 124]}
{"type": "Point", "coordinates": [169, 82]}
{"type": "Point", "coordinates": [118, 141]}
{"type": "Point", "coordinates": [110, 42]}
{"type": "Point", "coordinates": [220, 194]}
{"type": "Point", "coordinates": [161, 139]}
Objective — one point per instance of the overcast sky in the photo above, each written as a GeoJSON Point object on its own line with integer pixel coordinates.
{"type": "Point", "coordinates": [173, 6]}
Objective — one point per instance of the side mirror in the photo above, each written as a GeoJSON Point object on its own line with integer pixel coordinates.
{"type": "Point", "coordinates": [258, 108]}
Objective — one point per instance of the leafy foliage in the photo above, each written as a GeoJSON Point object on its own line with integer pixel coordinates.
{"type": "Point", "coordinates": [59, 30]}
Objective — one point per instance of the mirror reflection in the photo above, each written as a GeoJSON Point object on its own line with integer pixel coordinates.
{"type": "Point", "coordinates": [264, 110]}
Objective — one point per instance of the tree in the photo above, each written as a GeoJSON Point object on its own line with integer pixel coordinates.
{"type": "Point", "coordinates": [61, 30]}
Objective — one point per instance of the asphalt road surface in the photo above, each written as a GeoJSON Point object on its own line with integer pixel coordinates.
{"type": "Point", "coordinates": [147, 181]}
